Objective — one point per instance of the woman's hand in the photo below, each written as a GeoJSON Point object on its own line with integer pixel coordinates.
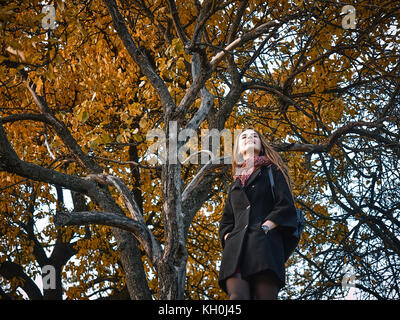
{"type": "Point", "coordinates": [226, 236]}
{"type": "Point", "coordinates": [270, 224]}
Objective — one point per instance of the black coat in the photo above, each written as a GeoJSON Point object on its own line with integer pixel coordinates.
{"type": "Point", "coordinates": [246, 209]}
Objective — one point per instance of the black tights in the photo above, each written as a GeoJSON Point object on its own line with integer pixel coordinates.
{"type": "Point", "coordinates": [262, 286]}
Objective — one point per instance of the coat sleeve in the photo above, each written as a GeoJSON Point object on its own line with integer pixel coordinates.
{"type": "Point", "coordinates": [227, 221]}
{"type": "Point", "coordinates": [283, 212]}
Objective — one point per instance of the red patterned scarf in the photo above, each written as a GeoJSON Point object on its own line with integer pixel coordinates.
{"type": "Point", "coordinates": [246, 169]}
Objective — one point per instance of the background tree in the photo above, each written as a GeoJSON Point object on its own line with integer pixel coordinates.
{"type": "Point", "coordinates": [78, 101]}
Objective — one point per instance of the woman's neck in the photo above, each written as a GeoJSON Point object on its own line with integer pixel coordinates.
{"type": "Point", "coordinates": [248, 156]}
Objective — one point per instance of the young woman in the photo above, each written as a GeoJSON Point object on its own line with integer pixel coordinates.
{"type": "Point", "coordinates": [255, 229]}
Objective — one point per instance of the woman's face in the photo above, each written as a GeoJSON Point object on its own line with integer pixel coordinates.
{"type": "Point", "coordinates": [249, 143]}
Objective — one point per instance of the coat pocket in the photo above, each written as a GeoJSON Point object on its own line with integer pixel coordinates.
{"type": "Point", "coordinates": [232, 234]}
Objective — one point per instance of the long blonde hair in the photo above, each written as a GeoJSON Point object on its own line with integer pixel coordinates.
{"type": "Point", "coordinates": [266, 150]}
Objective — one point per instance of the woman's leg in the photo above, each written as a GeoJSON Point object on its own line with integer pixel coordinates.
{"type": "Point", "coordinates": [238, 288]}
{"type": "Point", "coordinates": [265, 286]}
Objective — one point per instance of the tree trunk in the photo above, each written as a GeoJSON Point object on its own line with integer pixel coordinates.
{"type": "Point", "coordinates": [135, 275]}
{"type": "Point", "coordinates": [172, 278]}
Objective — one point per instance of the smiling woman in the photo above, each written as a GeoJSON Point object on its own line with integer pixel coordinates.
{"type": "Point", "coordinates": [249, 143]}
{"type": "Point", "coordinates": [255, 225]}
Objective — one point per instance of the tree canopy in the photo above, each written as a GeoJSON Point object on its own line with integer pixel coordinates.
{"type": "Point", "coordinates": [84, 82]}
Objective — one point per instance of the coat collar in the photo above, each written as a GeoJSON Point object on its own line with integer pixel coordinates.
{"type": "Point", "coordinates": [238, 183]}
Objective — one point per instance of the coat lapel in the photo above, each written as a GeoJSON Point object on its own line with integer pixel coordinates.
{"type": "Point", "coordinates": [236, 184]}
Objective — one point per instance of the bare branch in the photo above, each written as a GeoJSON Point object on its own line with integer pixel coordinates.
{"type": "Point", "coordinates": [140, 59]}
{"type": "Point", "coordinates": [61, 129]}
{"type": "Point", "coordinates": [177, 23]}
{"type": "Point", "coordinates": [25, 116]}
{"type": "Point", "coordinates": [10, 270]}
{"type": "Point", "coordinates": [207, 99]}
{"type": "Point", "coordinates": [236, 22]}
{"type": "Point", "coordinates": [256, 32]}
{"type": "Point", "coordinates": [130, 204]}
{"type": "Point", "coordinates": [111, 219]}
{"type": "Point", "coordinates": [10, 162]}
{"type": "Point", "coordinates": [205, 13]}
{"type": "Point", "coordinates": [198, 83]}
{"type": "Point", "coordinates": [145, 234]}
{"type": "Point", "coordinates": [134, 163]}
{"type": "Point", "coordinates": [211, 165]}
